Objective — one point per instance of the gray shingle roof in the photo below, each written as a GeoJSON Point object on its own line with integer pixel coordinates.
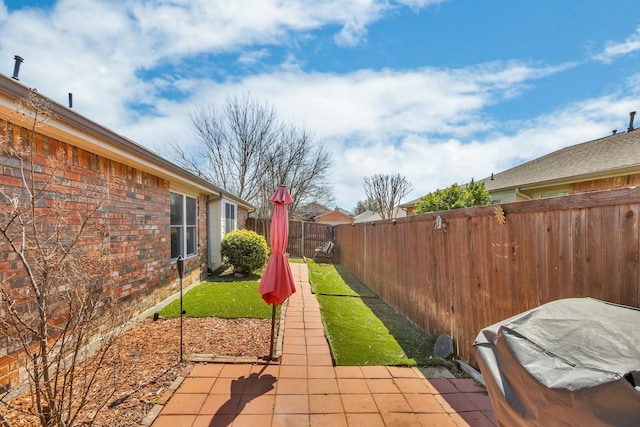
{"type": "Point", "coordinates": [612, 153]}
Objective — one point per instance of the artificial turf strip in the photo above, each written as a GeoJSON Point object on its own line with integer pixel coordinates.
{"type": "Point", "coordinates": [361, 328]}
{"type": "Point", "coordinates": [227, 299]}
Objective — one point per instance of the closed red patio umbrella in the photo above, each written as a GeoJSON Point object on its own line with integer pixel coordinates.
{"type": "Point", "coordinates": [276, 284]}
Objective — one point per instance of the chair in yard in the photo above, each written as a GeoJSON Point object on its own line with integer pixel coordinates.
{"type": "Point", "coordinates": [324, 252]}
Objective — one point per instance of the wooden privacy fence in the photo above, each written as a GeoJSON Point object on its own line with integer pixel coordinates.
{"type": "Point", "coordinates": [465, 270]}
{"type": "Point", "coordinates": [304, 237]}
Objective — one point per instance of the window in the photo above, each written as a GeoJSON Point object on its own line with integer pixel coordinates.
{"type": "Point", "coordinates": [229, 218]}
{"type": "Point", "coordinates": [184, 234]}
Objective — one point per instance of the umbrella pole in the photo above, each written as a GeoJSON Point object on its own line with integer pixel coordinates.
{"type": "Point", "coordinates": [273, 324]}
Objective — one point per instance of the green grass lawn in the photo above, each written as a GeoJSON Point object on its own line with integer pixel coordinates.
{"type": "Point", "coordinates": [361, 328]}
{"type": "Point", "coordinates": [231, 298]}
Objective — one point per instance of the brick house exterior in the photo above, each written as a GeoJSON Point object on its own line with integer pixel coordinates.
{"type": "Point", "coordinates": [139, 186]}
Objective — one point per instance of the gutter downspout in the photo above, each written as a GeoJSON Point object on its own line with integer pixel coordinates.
{"type": "Point", "coordinates": [521, 194]}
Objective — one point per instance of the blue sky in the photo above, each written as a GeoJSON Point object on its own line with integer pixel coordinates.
{"type": "Point", "coordinates": [439, 91]}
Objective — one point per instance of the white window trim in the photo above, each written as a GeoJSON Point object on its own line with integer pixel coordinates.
{"type": "Point", "coordinates": [185, 226]}
{"type": "Point", "coordinates": [224, 216]}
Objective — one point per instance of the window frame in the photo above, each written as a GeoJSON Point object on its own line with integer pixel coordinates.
{"type": "Point", "coordinates": [234, 225]}
{"type": "Point", "coordinates": [187, 226]}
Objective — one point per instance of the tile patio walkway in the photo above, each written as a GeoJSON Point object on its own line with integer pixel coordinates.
{"type": "Point", "coordinates": [305, 389]}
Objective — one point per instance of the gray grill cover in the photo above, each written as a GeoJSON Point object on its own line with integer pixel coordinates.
{"type": "Point", "coordinates": [571, 362]}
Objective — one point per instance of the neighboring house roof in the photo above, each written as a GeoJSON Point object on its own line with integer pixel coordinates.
{"type": "Point", "coordinates": [615, 154]}
{"type": "Point", "coordinates": [362, 217]}
{"type": "Point", "coordinates": [310, 211]}
{"type": "Point", "coordinates": [410, 203]}
{"type": "Point", "coordinates": [368, 216]}
{"type": "Point", "coordinates": [335, 217]}
{"type": "Point", "coordinates": [70, 126]}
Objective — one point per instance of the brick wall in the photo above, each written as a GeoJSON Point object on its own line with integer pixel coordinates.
{"type": "Point", "coordinates": [135, 233]}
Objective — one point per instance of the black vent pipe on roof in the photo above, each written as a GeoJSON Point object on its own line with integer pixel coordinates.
{"type": "Point", "coordinates": [16, 66]}
{"type": "Point", "coordinates": [631, 116]}
{"type": "Point", "coordinates": [70, 100]}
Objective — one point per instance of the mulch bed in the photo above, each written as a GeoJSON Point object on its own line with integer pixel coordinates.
{"type": "Point", "coordinates": [148, 363]}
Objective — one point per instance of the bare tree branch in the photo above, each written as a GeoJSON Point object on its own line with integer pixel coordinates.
{"type": "Point", "coordinates": [247, 151]}
{"type": "Point", "coordinates": [385, 192]}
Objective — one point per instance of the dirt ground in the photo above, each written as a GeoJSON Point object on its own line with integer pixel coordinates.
{"type": "Point", "coordinates": [148, 362]}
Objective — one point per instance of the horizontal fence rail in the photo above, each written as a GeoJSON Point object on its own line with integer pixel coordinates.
{"type": "Point", "coordinates": [459, 271]}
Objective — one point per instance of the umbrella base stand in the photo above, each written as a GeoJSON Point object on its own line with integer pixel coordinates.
{"type": "Point", "coordinates": [275, 345]}
{"type": "Point", "coordinates": [273, 326]}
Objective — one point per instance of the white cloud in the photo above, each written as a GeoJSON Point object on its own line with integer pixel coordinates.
{"type": "Point", "coordinates": [615, 50]}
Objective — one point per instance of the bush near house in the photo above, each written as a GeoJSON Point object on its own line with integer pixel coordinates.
{"type": "Point", "coordinates": [245, 250]}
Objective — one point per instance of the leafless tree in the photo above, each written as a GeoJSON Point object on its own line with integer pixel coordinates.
{"type": "Point", "coordinates": [55, 306]}
{"type": "Point", "coordinates": [247, 151]}
{"type": "Point", "coordinates": [386, 191]}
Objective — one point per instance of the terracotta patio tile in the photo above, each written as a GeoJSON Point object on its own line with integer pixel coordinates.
{"type": "Point", "coordinates": [196, 385]}
{"type": "Point", "coordinates": [369, 420]}
{"type": "Point", "coordinates": [382, 385]}
{"type": "Point", "coordinates": [319, 341]}
{"type": "Point", "coordinates": [292, 324]}
{"type": "Point", "coordinates": [413, 385]}
{"type": "Point", "coordinates": [424, 403]}
{"type": "Point", "coordinates": [252, 420]}
{"type": "Point", "coordinates": [294, 341]}
{"type": "Point", "coordinates": [480, 401]}
{"type": "Point", "coordinates": [322, 385]}
{"type": "Point", "coordinates": [359, 403]}
{"type": "Point", "coordinates": [292, 386]}
{"type": "Point", "coordinates": [270, 369]}
{"type": "Point", "coordinates": [352, 385]}
{"type": "Point", "coordinates": [224, 386]}
{"type": "Point", "coordinates": [318, 349]}
{"type": "Point", "coordinates": [235, 371]}
{"type": "Point", "coordinates": [401, 419]}
{"type": "Point", "coordinates": [292, 404]}
{"type": "Point", "coordinates": [206, 370]}
{"type": "Point", "coordinates": [314, 333]}
{"type": "Point", "coordinates": [375, 371]}
{"type": "Point", "coordinates": [391, 402]}
{"type": "Point", "coordinates": [264, 384]}
{"type": "Point", "coordinates": [442, 385]}
{"type": "Point", "coordinates": [294, 360]}
{"type": "Point", "coordinates": [294, 332]}
{"type": "Point", "coordinates": [220, 404]}
{"type": "Point", "coordinates": [348, 372]}
{"type": "Point", "coordinates": [320, 360]}
{"type": "Point", "coordinates": [402, 372]}
{"type": "Point", "coordinates": [471, 419]}
{"type": "Point", "coordinates": [182, 404]}
{"type": "Point", "coordinates": [293, 371]}
{"type": "Point", "coordinates": [290, 349]}
{"type": "Point", "coordinates": [289, 420]}
{"type": "Point", "coordinates": [436, 420]}
{"type": "Point", "coordinates": [491, 416]}
{"type": "Point", "coordinates": [174, 420]}
{"type": "Point", "coordinates": [467, 385]}
{"type": "Point", "coordinates": [325, 404]}
{"type": "Point", "coordinates": [328, 420]}
{"type": "Point", "coordinates": [217, 420]}
{"type": "Point", "coordinates": [262, 404]}
{"type": "Point", "coordinates": [321, 372]}
{"type": "Point", "coordinates": [455, 402]}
